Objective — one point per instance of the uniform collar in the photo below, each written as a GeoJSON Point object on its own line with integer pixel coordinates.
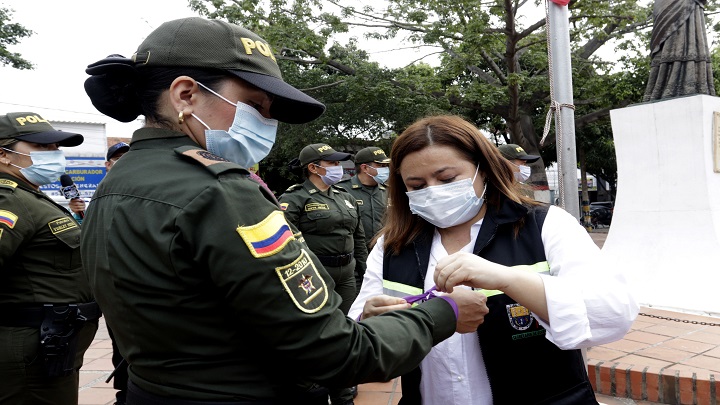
{"type": "Point", "coordinates": [23, 184]}
{"type": "Point", "coordinates": [146, 133]}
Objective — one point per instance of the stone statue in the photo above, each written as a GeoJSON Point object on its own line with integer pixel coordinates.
{"type": "Point", "coordinates": [679, 51]}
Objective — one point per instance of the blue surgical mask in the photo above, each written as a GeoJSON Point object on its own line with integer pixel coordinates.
{"type": "Point", "coordinates": [47, 166]}
{"type": "Point", "coordinates": [332, 175]}
{"type": "Point", "coordinates": [447, 205]}
{"type": "Point", "coordinates": [249, 139]}
{"type": "Point", "coordinates": [383, 173]}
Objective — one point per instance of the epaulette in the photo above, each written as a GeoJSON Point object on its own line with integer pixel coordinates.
{"type": "Point", "coordinates": [341, 188]}
{"type": "Point", "coordinates": [215, 164]}
{"type": "Point", "coordinates": [8, 185]}
{"type": "Point", "coordinates": [293, 188]}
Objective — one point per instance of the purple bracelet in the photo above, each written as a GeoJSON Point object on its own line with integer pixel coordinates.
{"type": "Point", "coordinates": [429, 294]}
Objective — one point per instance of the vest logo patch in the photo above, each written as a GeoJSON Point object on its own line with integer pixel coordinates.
{"type": "Point", "coordinates": [315, 207]}
{"type": "Point", "coordinates": [519, 316]}
{"type": "Point", "coordinates": [61, 225]}
{"type": "Point", "coordinates": [303, 283]}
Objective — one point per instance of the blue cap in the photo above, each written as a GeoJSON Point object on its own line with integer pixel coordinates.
{"type": "Point", "coordinates": [118, 147]}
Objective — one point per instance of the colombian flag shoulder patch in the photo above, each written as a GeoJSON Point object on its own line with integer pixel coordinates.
{"type": "Point", "coordinates": [267, 237]}
{"type": "Point", "coordinates": [8, 218]}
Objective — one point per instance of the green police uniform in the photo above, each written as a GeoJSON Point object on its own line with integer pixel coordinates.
{"type": "Point", "coordinates": [330, 224]}
{"type": "Point", "coordinates": [39, 264]}
{"type": "Point", "coordinates": [372, 201]}
{"type": "Point", "coordinates": [215, 297]}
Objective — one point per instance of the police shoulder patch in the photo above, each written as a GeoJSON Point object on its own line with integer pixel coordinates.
{"type": "Point", "coordinates": [9, 184]}
{"type": "Point", "coordinates": [303, 283]}
{"type": "Point", "coordinates": [293, 188]}
{"type": "Point", "coordinates": [213, 163]}
{"type": "Point", "coordinates": [8, 219]}
{"type": "Point", "coordinates": [268, 236]}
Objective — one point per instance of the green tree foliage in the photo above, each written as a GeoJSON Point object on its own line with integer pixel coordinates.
{"type": "Point", "coordinates": [493, 68]}
{"type": "Point", "coordinates": [10, 34]}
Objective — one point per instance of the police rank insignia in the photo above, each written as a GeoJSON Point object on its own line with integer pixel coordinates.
{"type": "Point", "coordinates": [267, 237]}
{"type": "Point", "coordinates": [303, 283]}
{"type": "Point", "coordinates": [349, 205]}
{"type": "Point", "coordinates": [520, 317]}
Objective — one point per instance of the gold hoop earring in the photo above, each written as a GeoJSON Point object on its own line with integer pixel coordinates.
{"type": "Point", "coordinates": [181, 118]}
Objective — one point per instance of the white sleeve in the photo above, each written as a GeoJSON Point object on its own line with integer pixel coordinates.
{"type": "Point", "coordinates": [372, 284]}
{"type": "Point", "coordinates": [589, 303]}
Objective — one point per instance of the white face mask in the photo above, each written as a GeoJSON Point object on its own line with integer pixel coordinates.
{"type": "Point", "coordinates": [332, 175]}
{"type": "Point", "coordinates": [523, 174]}
{"type": "Point", "coordinates": [249, 139]}
{"type": "Point", "coordinates": [447, 205]}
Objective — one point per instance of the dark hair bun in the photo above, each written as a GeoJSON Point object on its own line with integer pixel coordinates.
{"type": "Point", "coordinates": [112, 87]}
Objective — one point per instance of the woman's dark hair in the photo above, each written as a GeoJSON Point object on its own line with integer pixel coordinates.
{"type": "Point", "coordinates": [401, 225]}
{"type": "Point", "coordinates": [125, 93]}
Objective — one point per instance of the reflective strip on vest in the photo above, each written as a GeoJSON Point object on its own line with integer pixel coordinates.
{"type": "Point", "coordinates": [539, 268]}
{"type": "Point", "coordinates": [395, 289]}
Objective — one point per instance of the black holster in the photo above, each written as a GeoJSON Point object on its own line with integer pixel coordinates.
{"type": "Point", "coordinates": [58, 338]}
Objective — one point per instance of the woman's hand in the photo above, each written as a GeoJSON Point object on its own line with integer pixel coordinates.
{"type": "Point", "coordinates": [464, 268]}
{"type": "Point", "coordinates": [380, 304]}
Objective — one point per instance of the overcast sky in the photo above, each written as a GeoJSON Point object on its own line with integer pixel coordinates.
{"type": "Point", "coordinates": [69, 35]}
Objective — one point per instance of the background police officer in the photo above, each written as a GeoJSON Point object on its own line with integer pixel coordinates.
{"type": "Point", "coordinates": [518, 160]}
{"type": "Point", "coordinates": [44, 295]}
{"type": "Point", "coordinates": [329, 219]}
{"type": "Point", "coordinates": [368, 188]}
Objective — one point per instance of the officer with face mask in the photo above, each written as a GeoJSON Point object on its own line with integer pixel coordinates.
{"type": "Point", "coordinates": [368, 188]}
{"type": "Point", "coordinates": [47, 314]}
{"type": "Point", "coordinates": [329, 219]}
{"type": "Point", "coordinates": [518, 160]}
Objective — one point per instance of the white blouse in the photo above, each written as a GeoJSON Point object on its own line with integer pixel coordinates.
{"type": "Point", "coordinates": [588, 304]}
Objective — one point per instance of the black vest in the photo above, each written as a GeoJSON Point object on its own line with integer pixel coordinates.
{"type": "Point", "coordinates": [522, 365]}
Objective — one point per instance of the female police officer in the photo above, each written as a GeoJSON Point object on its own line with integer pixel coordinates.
{"type": "Point", "coordinates": [328, 217]}
{"type": "Point", "coordinates": [215, 297]}
{"type": "Point", "coordinates": [47, 317]}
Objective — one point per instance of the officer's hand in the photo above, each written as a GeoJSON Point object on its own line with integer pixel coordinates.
{"type": "Point", "coordinates": [472, 308]}
{"type": "Point", "coordinates": [382, 303]}
{"type": "Point", "coordinates": [77, 205]}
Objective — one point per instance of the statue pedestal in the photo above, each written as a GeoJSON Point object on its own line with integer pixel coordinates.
{"type": "Point", "coordinates": [666, 224]}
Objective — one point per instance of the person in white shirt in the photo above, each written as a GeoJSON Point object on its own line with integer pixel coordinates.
{"type": "Point", "coordinates": [460, 220]}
